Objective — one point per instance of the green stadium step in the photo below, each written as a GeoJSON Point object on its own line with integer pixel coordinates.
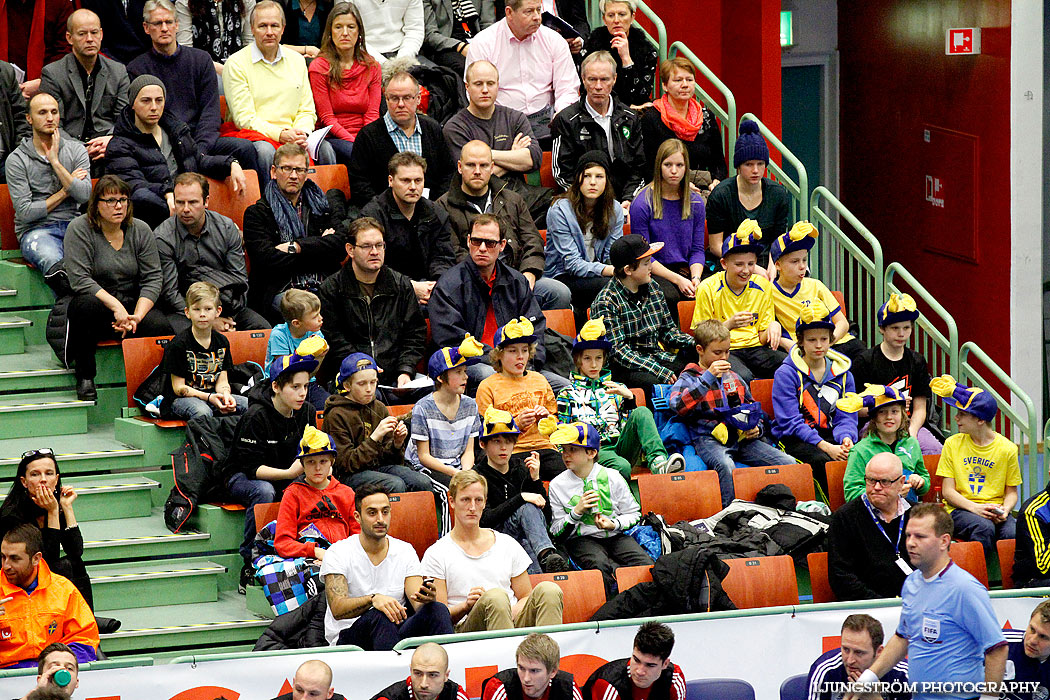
{"type": "Point", "coordinates": [112, 497]}
{"type": "Point", "coordinates": [13, 334]}
{"type": "Point", "coordinates": [92, 452]}
{"type": "Point", "coordinates": [23, 287]}
{"type": "Point", "coordinates": [193, 626]}
{"type": "Point", "coordinates": [256, 602]}
{"type": "Point", "coordinates": [156, 443]}
{"type": "Point", "coordinates": [140, 538]}
{"type": "Point", "coordinates": [173, 581]}
{"type": "Point", "coordinates": [37, 369]}
{"type": "Point", "coordinates": [43, 414]}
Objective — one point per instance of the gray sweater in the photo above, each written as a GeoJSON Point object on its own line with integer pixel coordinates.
{"type": "Point", "coordinates": [31, 180]}
{"type": "Point", "coordinates": [92, 263]}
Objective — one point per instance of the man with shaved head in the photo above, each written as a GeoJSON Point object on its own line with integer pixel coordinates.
{"type": "Point", "coordinates": [476, 190]}
{"type": "Point", "coordinates": [91, 89]}
{"type": "Point", "coordinates": [312, 681]}
{"type": "Point", "coordinates": [427, 680]}
{"type": "Point", "coordinates": [866, 544]}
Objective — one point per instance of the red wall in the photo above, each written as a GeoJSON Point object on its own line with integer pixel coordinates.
{"type": "Point", "coordinates": [895, 82]}
{"type": "Point", "coordinates": [737, 39]}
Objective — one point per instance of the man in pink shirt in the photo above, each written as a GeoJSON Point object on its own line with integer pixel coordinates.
{"type": "Point", "coordinates": [537, 73]}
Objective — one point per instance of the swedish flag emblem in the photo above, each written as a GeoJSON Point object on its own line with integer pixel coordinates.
{"type": "Point", "coordinates": [976, 480]}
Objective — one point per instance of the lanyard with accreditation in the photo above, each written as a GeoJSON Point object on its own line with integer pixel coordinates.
{"type": "Point", "coordinates": [901, 564]}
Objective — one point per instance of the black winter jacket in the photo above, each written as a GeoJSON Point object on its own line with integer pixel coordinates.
{"type": "Point", "coordinates": [299, 629]}
{"type": "Point", "coordinates": [420, 247]}
{"type": "Point", "coordinates": [461, 299]}
{"type": "Point", "coordinates": [575, 132]}
{"type": "Point", "coordinates": [271, 271]}
{"type": "Point", "coordinates": [524, 251]}
{"type": "Point", "coordinates": [389, 326]}
{"type": "Point", "coordinates": [373, 147]}
{"type": "Point", "coordinates": [136, 157]}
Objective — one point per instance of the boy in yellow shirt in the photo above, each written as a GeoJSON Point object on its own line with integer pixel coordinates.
{"type": "Point", "coordinates": [741, 300]}
{"type": "Point", "coordinates": [980, 468]}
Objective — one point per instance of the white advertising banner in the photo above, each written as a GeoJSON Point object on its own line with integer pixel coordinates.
{"type": "Point", "coordinates": [762, 649]}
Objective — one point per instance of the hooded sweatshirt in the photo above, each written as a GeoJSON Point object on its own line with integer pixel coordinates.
{"type": "Point", "coordinates": [351, 424]}
{"type": "Point", "coordinates": [265, 437]}
{"type": "Point", "coordinates": [330, 509]}
{"type": "Point", "coordinates": [31, 180]}
{"type": "Point", "coordinates": [804, 408]}
{"type": "Point", "coordinates": [907, 448]}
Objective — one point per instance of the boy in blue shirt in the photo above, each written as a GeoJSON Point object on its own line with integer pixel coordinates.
{"type": "Point", "coordinates": [302, 319]}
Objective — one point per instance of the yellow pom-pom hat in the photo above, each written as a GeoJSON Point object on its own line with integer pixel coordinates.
{"type": "Point", "coordinates": [802, 236]}
{"type": "Point", "coordinates": [898, 308]}
{"type": "Point", "coordinates": [815, 315]}
{"type": "Point", "coordinates": [469, 352]}
{"type": "Point", "coordinates": [519, 330]}
{"type": "Point", "coordinates": [592, 337]}
{"type": "Point", "coordinates": [744, 240]}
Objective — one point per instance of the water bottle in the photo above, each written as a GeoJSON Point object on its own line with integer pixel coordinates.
{"type": "Point", "coordinates": [62, 678]}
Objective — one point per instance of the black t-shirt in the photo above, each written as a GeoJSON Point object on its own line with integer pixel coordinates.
{"type": "Point", "coordinates": [725, 212]}
{"type": "Point", "coordinates": [908, 375]}
{"type": "Point", "coordinates": [184, 357]}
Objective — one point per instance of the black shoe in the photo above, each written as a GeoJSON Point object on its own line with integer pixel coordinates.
{"type": "Point", "coordinates": [247, 578]}
{"type": "Point", "coordinates": [551, 562]}
{"type": "Point", "coordinates": [107, 625]}
{"type": "Point", "coordinates": [86, 390]}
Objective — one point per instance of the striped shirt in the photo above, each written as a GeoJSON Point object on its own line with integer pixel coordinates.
{"type": "Point", "coordinates": [830, 669]}
{"type": "Point", "coordinates": [447, 438]}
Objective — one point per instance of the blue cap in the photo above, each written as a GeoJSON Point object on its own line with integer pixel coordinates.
{"type": "Point", "coordinates": [290, 363]}
{"type": "Point", "coordinates": [354, 363]}
{"type": "Point", "coordinates": [578, 434]}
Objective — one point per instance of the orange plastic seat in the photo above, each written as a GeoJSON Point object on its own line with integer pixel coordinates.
{"type": "Point", "coordinates": [413, 518]}
{"type": "Point", "coordinates": [223, 200]}
{"type": "Point", "coordinates": [547, 171]}
{"type": "Point", "coordinates": [970, 556]}
{"type": "Point", "coordinates": [759, 582]}
{"type": "Point", "coordinates": [265, 513]}
{"type": "Point", "coordinates": [748, 481]}
{"type": "Point", "coordinates": [836, 472]}
{"type": "Point", "coordinates": [400, 410]}
{"type": "Point", "coordinates": [681, 496]}
{"type": "Point", "coordinates": [8, 240]}
{"type": "Point", "coordinates": [631, 576]}
{"type": "Point", "coordinates": [331, 177]}
{"type": "Point", "coordinates": [685, 315]}
{"type": "Point", "coordinates": [249, 346]}
{"type": "Point", "coordinates": [141, 356]}
{"type": "Point", "coordinates": [819, 583]}
{"type": "Point", "coordinates": [1007, 549]}
{"type": "Point", "coordinates": [583, 592]}
{"type": "Point", "coordinates": [561, 320]}
{"type": "Point", "coordinates": [762, 391]}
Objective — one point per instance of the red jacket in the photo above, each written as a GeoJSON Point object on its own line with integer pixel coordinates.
{"type": "Point", "coordinates": [331, 510]}
{"type": "Point", "coordinates": [55, 612]}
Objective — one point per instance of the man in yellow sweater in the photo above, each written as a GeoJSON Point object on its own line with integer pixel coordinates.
{"type": "Point", "coordinates": [267, 90]}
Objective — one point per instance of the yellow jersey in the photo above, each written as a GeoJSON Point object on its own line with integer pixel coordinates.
{"type": "Point", "coordinates": [715, 299]}
{"type": "Point", "coordinates": [981, 473]}
{"type": "Point", "coordinates": [788, 306]}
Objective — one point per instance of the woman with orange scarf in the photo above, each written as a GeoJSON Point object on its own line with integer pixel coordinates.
{"type": "Point", "coordinates": [678, 114]}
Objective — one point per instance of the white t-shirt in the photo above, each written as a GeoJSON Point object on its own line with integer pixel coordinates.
{"type": "Point", "coordinates": [348, 557]}
{"type": "Point", "coordinates": [494, 569]}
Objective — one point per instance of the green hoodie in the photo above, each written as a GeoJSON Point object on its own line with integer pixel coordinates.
{"type": "Point", "coordinates": [906, 448]}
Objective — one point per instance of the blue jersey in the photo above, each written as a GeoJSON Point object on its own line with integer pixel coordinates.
{"type": "Point", "coordinates": [828, 668]}
{"type": "Point", "coordinates": [1019, 667]}
{"type": "Point", "coordinates": [949, 624]}
{"type": "Point", "coordinates": [283, 343]}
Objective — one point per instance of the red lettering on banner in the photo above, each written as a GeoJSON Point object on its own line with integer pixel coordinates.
{"type": "Point", "coordinates": [475, 676]}
{"type": "Point", "coordinates": [581, 666]}
{"type": "Point", "coordinates": [106, 697]}
{"type": "Point", "coordinates": [208, 692]}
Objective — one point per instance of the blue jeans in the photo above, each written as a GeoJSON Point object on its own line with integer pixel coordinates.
{"type": "Point", "coordinates": [188, 407]}
{"type": "Point", "coordinates": [552, 294]}
{"type": "Point", "coordinates": [529, 528]}
{"type": "Point", "coordinates": [42, 247]}
{"type": "Point", "coordinates": [341, 147]}
{"type": "Point", "coordinates": [373, 631]}
{"type": "Point", "coordinates": [249, 493]}
{"type": "Point", "coordinates": [398, 478]}
{"type": "Point", "coordinates": [722, 459]}
{"type": "Point", "coordinates": [973, 528]}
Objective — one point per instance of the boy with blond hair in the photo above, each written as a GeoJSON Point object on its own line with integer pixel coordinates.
{"type": "Point", "coordinates": [302, 319]}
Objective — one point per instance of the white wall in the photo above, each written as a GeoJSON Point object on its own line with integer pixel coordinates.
{"type": "Point", "coordinates": [1026, 201]}
{"type": "Point", "coordinates": [816, 24]}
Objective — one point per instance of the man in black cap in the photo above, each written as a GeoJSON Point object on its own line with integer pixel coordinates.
{"type": "Point", "coordinates": [643, 333]}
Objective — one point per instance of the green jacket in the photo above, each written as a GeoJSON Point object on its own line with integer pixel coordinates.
{"type": "Point", "coordinates": [907, 449]}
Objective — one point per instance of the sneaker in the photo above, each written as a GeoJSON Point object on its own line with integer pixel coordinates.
{"type": "Point", "coordinates": [247, 578]}
{"type": "Point", "coordinates": [668, 465]}
{"type": "Point", "coordinates": [552, 562]}
{"type": "Point", "coordinates": [153, 407]}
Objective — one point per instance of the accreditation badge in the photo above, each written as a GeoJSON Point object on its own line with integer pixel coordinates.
{"type": "Point", "coordinates": [931, 629]}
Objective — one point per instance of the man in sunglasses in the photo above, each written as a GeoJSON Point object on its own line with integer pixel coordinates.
{"type": "Point", "coordinates": [866, 543]}
{"type": "Point", "coordinates": [483, 293]}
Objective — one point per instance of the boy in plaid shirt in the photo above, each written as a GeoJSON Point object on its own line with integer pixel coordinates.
{"type": "Point", "coordinates": [724, 422]}
{"type": "Point", "coordinates": [641, 330]}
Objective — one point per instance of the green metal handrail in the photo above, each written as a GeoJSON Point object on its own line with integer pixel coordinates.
{"type": "Point", "coordinates": [860, 276]}
{"type": "Point", "coordinates": [661, 33]}
{"type": "Point", "coordinates": [123, 662]}
{"type": "Point", "coordinates": [727, 115]}
{"type": "Point", "coordinates": [799, 190]}
{"type": "Point", "coordinates": [1010, 422]}
{"type": "Point", "coordinates": [310, 651]}
{"type": "Point", "coordinates": [940, 348]}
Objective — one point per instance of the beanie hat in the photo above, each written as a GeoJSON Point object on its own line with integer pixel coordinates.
{"type": "Point", "coordinates": [802, 236]}
{"type": "Point", "coordinates": [750, 145]}
{"type": "Point", "coordinates": [144, 81]}
{"type": "Point", "coordinates": [975, 401]}
{"type": "Point", "coordinates": [873, 397]}
{"type": "Point", "coordinates": [578, 434]}
{"type": "Point", "coordinates": [290, 363]}
{"type": "Point", "coordinates": [590, 158]}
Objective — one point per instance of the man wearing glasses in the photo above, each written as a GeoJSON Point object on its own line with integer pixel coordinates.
{"type": "Point", "coordinates": [400, 130]}
{"type": "Point", "coordinates": [866, 543]}
{"type": "Point", "coordinates": [418, 235]}
{"type": "Point", "coordinates": [292, 235]}
{"type": "Point", "coordinates": [484, 293]}
{"type": "Point", "coordinates": [369, 307]}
